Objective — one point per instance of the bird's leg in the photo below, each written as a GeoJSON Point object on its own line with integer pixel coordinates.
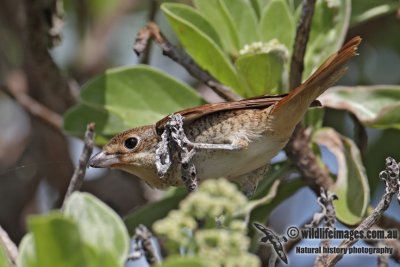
{"type": "Point", "coordinates": [232, 146]}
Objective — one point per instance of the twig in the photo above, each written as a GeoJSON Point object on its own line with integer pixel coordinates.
{"type": "Point", "coordinates": [297, 148]}
{"type": "Point", "coordinates": [80, 170]}
{"type": "Point", "coordinates": [391, 178]}
{"type": "Point", "coordinates": [9, 246]}
{"type": "Point", "coordinates": [153, 7]}
{"type": "Point", "coordinates": [300, 44]}
{"type": "Point", "coordinates": [144, 246]}
{"type": "Point", "coordinates": [17, 87]}
{"type": "Point", "coordinates": [325, 201]}
{"type": "Point", "coordinates": [152, 31]}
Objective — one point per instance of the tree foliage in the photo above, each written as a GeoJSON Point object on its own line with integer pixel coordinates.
{"type": "Point", "coordinates": [246, 45]}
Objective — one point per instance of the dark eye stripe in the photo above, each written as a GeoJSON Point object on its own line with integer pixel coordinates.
{"type": "Point", "coordinates": [131, 142]}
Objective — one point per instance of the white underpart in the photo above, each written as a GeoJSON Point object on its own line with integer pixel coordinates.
{"type": "Point", "coordinates": [233, 163]}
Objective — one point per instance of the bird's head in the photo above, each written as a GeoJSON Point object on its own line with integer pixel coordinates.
{"type": "Point", "coordinates": [132, 151]}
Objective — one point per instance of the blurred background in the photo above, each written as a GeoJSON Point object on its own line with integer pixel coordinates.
{"type": "Point", "coordinates": [46, 57]}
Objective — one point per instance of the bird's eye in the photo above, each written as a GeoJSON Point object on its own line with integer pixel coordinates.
{"type": "Point", "coordinates": [131, 142]}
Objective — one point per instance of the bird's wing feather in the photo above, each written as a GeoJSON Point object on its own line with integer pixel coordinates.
{"type": "Point", "coordinates": [191, 114]}
{"type": "Point", "coordinates": [258, 102]}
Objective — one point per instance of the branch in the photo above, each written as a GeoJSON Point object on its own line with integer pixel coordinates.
{"type": "Point", "coordinates": [153, 7]}
{"type": "Point", "coordinates": [298, 149]}
{"type": "Point", "coordinates": [152, 31]}
{"type": "Point", "coordinates": [325, 201]}
{"type": "Point", "coordinates": [80, 170]}
{"type": "Point", "coordinates": [300, 43]}
{"type": "Point", "coordinates": [17, 87]}
{"type": "Point", "coordinates": [41, 31]}
{"type": "Point", "coordinates": [391, 178]}
{"type": "Point", "coordinates": [9, 246]}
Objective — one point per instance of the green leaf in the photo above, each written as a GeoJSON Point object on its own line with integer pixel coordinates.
{"type": "Point", "coordinates": [256, 6]}
{"type": "Point", "coordinates": [145, 215]}
{"type": "Point", "coordinates": [198, 20]}
{"type": "Point", "coordinates": [57, 241]}
{"type": "Point", "coordinates": [374, 106]}
{"type": "Point", "coordinates": [277, 21]}
{"type": "Point", "coordinates": [4, 262]}
{"type": "Point", "coordinates": [362, 11]}
{"type": "Point", "coordinates": [314, 118]}
{"type": "Point", "coordinates": [107, 123]}
{"type": "Point", "coordinates": [27, 252]}
{"type": "Point", "coordinates": [184, 262]}
{"type": "Point", "coordinates": [96, 257]}
{"type": "Point", "coordinates": [217, 14]}
{"type": "Point", "coordinates": [99, 225]}
{"type": "Point", "coordinates": [128, 97]}
{"type": "Point", "coordinates": [351, 185]}
{"type": "Point", "coordinates": [261, 72]}
{"type": "Point", "coordinates": [202, 48]}
{"type": "Point", "coordinates": [244, 20]}
{"type": "Point", "coordinates": [135, 93]}
{"type": "Point", "coordinates": [328, 29]}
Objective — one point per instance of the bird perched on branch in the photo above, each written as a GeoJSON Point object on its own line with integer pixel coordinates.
{"type": "Point", "coordinates": [237, 139]}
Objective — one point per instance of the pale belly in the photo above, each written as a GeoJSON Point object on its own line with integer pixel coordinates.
{"type": "Point", "coordinates": [211, 164]}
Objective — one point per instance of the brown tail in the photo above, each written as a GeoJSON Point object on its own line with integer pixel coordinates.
{"type": "Point", "coordinates": [291, 109]}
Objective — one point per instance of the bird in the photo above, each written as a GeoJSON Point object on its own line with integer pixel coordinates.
{"type": "Point", "coordinates": [275, 241]}
{"type": "Point", "coordinates": [241, 136]}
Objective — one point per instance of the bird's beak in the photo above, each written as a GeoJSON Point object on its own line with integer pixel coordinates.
{"type": "Point", "coordinates": [103, 160]}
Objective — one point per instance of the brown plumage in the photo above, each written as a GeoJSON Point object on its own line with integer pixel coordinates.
{"type": "Point", "coordinates": [256, 128]}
